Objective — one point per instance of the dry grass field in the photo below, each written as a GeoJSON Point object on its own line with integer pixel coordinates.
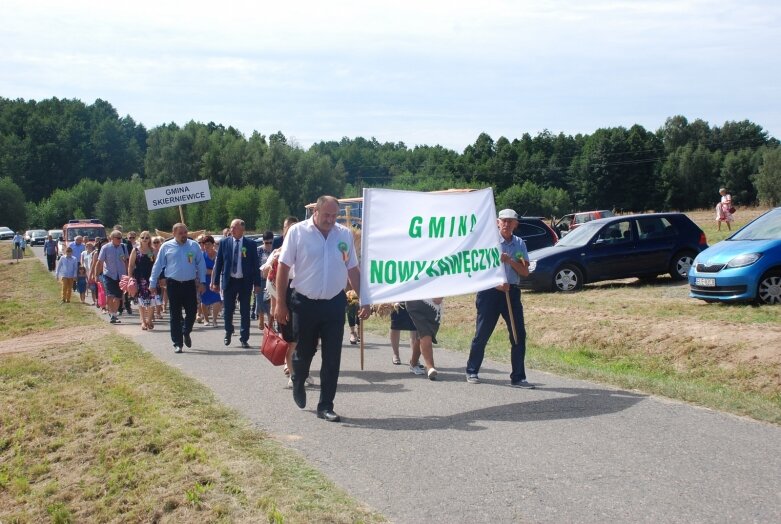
{"type": "Point", "coordinates": [95, 429]}
{"type": "Point", "coordinates": [650, 337]}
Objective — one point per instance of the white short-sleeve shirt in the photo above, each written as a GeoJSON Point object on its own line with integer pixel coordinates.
{"type": "Point", "coordinates": [321, 262]}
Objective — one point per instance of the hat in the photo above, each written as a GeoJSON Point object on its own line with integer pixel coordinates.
{"type": "Point", "coordinates": [508, 213]}
{"type": "Point", "coordinates": [268, 235]}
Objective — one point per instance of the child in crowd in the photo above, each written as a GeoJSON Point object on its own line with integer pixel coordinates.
{"type": "Point", "coordinates": [66, 272]}
{"type": "Point", "coordinates": [81, 283]}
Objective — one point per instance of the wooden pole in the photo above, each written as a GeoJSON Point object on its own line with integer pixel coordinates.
{"type": "Point", "coordinates": [181, 214]}
{"type": "Point", "coordinates": [348, 223]}
{"type": "Point", "coordinates": [512, 317]}
{"type": "Point", "coordinates": [360, 335]}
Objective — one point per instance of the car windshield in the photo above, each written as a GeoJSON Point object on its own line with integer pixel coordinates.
{"type": "Point", "coordinates": [766, 227]}
{"type": "Point", "coordinates": [39, 233]}
{"type": "Point", "coordinates": [86, 231]}
{"type": "Point", "coordinates": [579, 236]}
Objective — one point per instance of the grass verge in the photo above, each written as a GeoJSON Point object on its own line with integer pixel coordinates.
{"type": "Point", "coordinates": [101, 431]}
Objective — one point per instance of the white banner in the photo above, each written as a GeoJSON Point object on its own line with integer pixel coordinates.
{"type": "Point", "coordinates": [426, 245]}
{"type": "Point", "coordinates": [168, 196]}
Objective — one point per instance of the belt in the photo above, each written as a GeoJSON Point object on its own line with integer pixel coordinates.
{"type": "Point", "coordinates": [179, 281]}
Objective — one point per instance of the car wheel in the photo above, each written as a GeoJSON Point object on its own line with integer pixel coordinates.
{"type": "Point", "coordinates": [567, 278]}
{"type": "Point", "coordinates": [769, 288]}
{"type": "Point", "coordinates": [680, 265]}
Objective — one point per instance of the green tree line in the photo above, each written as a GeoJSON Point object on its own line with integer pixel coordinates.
{"type": "Point", "coordinates": [64, 158]}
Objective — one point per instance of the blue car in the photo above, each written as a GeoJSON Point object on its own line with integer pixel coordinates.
{"type": "Point", "coordinates": [744, 267]}
{"type": "Point", "coordinates": [641, 246]}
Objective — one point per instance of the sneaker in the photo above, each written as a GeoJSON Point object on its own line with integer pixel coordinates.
{"type": "Point", "coordinates": [177, 349]}
{"type": "Point", "coordinates": [114, 320]}
{"type": "Point", "coordinates": [472, 378]}
{"type": "Point", "coordinates": [309, 381]}
{"type": "Point", "coordinates": [432, 373]}
{"type": "Point", "coordinates": [521, 384]}
{"type": "Point", "coordinates": [417, 369]}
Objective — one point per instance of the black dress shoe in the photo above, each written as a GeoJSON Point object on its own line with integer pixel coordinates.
{"type": "Point", "coordinates": [187, 340]}
{"type": "Point", "coordinates": [329, 416]}
{"type": "Point", "coordinates": [299, 393]}
{"type": "Point", "coordinates": [227, 339]}
{"type": "Point", "coordinates": [245, 344]}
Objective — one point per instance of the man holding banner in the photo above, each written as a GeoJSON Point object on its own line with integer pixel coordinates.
{"type": "Point", "coordinates": [504, 300]}
{"type": "Point", "coordinates": [323, 253]}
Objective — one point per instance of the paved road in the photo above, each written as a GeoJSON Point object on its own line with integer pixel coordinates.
{"type": "Point", "coordinates": [448, 451]}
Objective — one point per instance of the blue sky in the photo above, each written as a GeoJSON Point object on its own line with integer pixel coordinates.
{"type": "Point", "coordinates": [422, 72]}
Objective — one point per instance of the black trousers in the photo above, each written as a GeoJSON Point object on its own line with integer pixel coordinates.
{"type": "Point", "coordinates": [181, 295]}
{"type": "Point", "coordinates": [51, 261]}
{"type": "Point", "coordinates": [243, 289]}
{"type": "Point", "coordinates": [321, 320]}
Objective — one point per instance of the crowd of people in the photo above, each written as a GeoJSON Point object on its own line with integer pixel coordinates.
{"type": "Point", "coordinates": [306, 282]}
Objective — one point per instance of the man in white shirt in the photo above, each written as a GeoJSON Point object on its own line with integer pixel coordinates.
{"type": "Point", "coordinates": [323, 253]}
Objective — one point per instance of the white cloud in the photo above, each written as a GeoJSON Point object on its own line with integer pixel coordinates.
{"type": "Point", "coordinates": [418, 72]}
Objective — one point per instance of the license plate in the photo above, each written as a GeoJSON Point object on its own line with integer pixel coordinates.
{"type": "Point", "coordinates": [705, 282]}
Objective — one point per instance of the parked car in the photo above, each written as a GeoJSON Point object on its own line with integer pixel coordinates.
{"type": "Point", "coordinates": [38, 237]}
{"type": "Point", "coordinates": [56, 234]}
{"type": "Point", "coordinates": [569, 222]}
{"type": "Point", "coordinates": [744, 267]}
{"type": "Point", "coordinates": [535, 233]}
{"type": "Point", "coordinates": [643, 246]}
{"type": "Point", "coordinates": [6, 233]}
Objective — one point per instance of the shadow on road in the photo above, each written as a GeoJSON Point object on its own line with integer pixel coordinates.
{"type": "Point", "coordinates": [577, 403]}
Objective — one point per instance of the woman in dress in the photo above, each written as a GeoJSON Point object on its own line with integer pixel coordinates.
{"type": "Point", "coordinates": [210, 300]}
{"type": "Point", "coordinates": [86, 262]}
{"type": "Point", "coordinates": [400, 321]}
{"type": "Point", "coordinates": [94, 277]}
{"type": "Point", "coordinates": [724, 209]}
{"type": "Point", "coordinates": [426, 315]}
{"type": "Point", "coordinates": [160, 298]}
{"type": "Point", "coordinates": [142, 258]}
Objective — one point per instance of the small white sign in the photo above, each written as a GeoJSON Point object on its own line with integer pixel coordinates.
{"type": "Point", "coordinates": [169, 196]}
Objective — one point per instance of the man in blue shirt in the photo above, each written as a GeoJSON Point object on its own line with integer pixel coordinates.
{"type": "Point", "coordinates": [18, 250]}
{"type": "Point", "coordinates": [495, 301]}
{"type": "Point", "coordinates": [50, 249]}
{"type": "Point", "coordinates": [185, 276]}
{"type": "Point", "coordinates": [112, 265]}
{"type": "Point", "coordinates": [78, 246]}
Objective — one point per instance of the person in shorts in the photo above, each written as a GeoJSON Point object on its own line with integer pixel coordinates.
{"type": "Point", "coordinates": [112, 265]}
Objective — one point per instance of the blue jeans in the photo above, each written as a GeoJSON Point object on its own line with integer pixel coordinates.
{"type": "Point", "coordinates": [490, 304]}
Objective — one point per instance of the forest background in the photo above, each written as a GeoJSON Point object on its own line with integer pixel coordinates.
{"type": "Point", "coordinates": [62, 159]}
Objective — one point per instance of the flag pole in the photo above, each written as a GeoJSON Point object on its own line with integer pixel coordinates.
{"type": "Point", "coordinates": [512, 316]}
{"type": "Point", "coordinates": [348, 222]}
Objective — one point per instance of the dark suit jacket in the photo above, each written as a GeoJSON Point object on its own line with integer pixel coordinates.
{"type": "Point", "coordinates": [250, 267]}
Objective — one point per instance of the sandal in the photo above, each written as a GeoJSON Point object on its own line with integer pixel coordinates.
{"type": "Point", "coordinates": [396, 360]}
{"type": "Point", "coordinates": [143, 327]}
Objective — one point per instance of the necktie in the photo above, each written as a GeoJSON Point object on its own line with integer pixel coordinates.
{"type": "Point", "coordinates": [235, 264]}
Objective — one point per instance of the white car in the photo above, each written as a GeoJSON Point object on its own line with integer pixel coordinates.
{"type": "Point", "coordinates": [6, 233]}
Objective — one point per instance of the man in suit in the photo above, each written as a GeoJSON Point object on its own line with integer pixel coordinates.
{"type": "Point", "coordinates": [236, 269]}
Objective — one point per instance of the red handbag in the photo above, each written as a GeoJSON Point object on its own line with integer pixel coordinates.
{"type": "Point", "coordinates": [274, 347]}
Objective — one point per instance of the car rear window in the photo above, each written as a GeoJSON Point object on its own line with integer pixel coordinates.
{"type": "Point", "coordinates": [654, 227]}
{"type": "Point", "coordinates": [529, 230]}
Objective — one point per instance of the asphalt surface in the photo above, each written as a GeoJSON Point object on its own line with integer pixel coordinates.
{"type": "Point", "coordinates": [448, 451]}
